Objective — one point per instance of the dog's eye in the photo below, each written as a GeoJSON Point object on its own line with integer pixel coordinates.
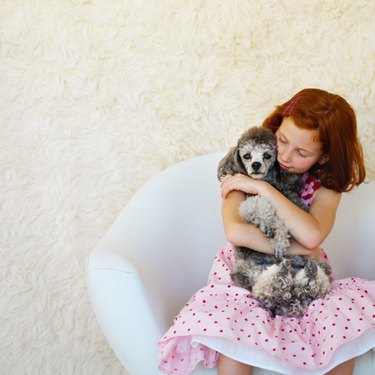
{"type": "Point", "coordinates": [247, 156]}
{"type": "Point", "coordinates": [267, 156]}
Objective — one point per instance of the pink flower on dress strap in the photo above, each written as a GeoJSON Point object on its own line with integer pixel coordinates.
{"type": "Point", "coordinates": [309, 188]}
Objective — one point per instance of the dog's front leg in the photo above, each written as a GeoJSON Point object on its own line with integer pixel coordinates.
{"type": "Point", "coordinates": [280, 242]}
{"type": "Point", "coordinates": [259, 211]}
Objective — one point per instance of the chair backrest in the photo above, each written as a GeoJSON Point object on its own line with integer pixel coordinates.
{"type": "Point", "coordinates": [171, 230]}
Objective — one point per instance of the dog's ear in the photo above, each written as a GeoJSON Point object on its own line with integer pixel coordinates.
{"type": "Point", "coordinates": [231, 164]}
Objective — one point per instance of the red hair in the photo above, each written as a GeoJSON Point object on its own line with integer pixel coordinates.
{"type": "Point", "coordinates": [336, 122]}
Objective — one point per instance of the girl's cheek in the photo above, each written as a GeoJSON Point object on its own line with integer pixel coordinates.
{"type": "Point", "coordinates": [279, 147]}
{"type": "Point", "coordinates": [305, 165]}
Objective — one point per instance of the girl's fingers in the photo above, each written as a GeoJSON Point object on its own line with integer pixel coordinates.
{"type": "Point", "coordinates": [227, 186]}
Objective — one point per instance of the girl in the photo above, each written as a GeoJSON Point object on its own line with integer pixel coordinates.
{"type": "Point", "coordinates": [222, 325]}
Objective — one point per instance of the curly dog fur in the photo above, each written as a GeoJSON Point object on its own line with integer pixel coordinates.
{"type": "Point", "coordinates": [284, 284]}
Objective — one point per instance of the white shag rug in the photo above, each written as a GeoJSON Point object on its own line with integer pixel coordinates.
{"type": "Point", "coordinates": [96, 97]}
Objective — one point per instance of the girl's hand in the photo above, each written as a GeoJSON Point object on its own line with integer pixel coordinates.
{"type": "Point", "coordinates": [314, 253]}
{"type": "Point", "coordinates": [297, 249]}
{"type": "Point", "coordinates": [242, 183]}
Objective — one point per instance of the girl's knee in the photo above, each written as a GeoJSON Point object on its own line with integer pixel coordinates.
{"type": "Point", "coordinates": [229, 366]}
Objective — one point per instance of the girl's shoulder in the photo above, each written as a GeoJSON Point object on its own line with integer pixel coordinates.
{"type": "Point", "coordinates": [310, 185]}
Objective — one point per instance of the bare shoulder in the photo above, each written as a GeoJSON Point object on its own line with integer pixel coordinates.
{"type": "Point", "coordinates": [324, 205]}
{"type": "Point", "coordinates": [323, 210]}
{"type": "Point", "coordinates": [326, 196]}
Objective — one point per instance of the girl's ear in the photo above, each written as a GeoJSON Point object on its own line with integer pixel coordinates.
{"type": "Point", "coordinates": [323, 159]}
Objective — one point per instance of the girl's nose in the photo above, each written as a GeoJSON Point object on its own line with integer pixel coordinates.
{"type": "Point", "coordinates": [285, 156]}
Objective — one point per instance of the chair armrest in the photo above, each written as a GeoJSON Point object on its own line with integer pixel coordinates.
{"type": "Point", "coordinates": [123, 310]}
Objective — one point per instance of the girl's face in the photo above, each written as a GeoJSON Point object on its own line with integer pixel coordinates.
{"type": "Point", "coordinates": [298, 149]}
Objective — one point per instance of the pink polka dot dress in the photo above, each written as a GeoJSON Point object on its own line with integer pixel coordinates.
{"type": "Point", "coordinates": [223, 318]}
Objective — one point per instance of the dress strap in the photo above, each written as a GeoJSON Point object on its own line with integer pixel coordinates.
{"type": "Point", "coordinates": [310, 186]}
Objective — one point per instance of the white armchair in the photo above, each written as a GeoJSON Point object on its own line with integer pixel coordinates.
{"type": "Point", "coordinates": [159, 251]}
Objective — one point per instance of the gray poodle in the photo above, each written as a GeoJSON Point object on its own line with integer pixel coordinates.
{"type": "Point", "coordinates": [284, 284]}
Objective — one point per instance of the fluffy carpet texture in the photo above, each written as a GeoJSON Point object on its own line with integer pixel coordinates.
{"type": "Point", "coordinates": [99, 96]}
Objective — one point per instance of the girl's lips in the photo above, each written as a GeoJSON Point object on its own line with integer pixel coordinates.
{"type": "Point", "coordinates": [282, 166]}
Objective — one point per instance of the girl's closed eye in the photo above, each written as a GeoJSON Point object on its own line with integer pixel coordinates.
{"type": "Point", "coordinates": [302, 154]}
{"type": "Point", "coordinates": [280, 138]}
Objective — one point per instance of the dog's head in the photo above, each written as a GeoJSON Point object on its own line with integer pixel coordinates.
{"type": "Point", "coordinates": [254, 155]}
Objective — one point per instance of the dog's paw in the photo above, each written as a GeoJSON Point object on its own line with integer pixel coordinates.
{"type": "Point", "coordinates": [298, 261]}
{"type": "Point", "coordinates": [269, 232]}
{"type": "Point", "coordinates": [281, 281]}
{"type": "Point", "coordinates": [285, 268]}
{"type": "Point", "coordinates": [280, 252]}
{"type": "Point", "coordinates": [293, 309]}
{"type": "Point", "coordinates": [311, 269]}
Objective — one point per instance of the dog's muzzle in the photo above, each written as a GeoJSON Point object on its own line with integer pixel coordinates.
{"type": "Point", "coordinates": [256, 166]}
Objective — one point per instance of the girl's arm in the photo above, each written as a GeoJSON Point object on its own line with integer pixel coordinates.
{"type": "Point", "coordinates": [242, 234]}
{"type": "Point", "coordinates": [236, 230]}
{"type": "Point", "coordinates": [309, 229]}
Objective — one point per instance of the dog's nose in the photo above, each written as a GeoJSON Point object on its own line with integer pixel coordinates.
{"type": "Point", "coordinates": [256, 165]}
